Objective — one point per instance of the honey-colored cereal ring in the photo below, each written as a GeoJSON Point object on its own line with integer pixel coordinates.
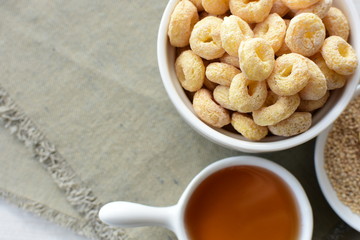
{"type": "Point", "coordinates": [190, 71]}
{"type": "Point", "coordinates": [208, 111]}
{"type": "Point", "coordinates": [246, 95]}
{"type": "Point", "coordinates": [252, 25]}
{"type": "Point", "coordinates": [181, 24]}
{"type": "Point", "coordinates": [280, 8]}
{"type": "Point", "coordinates": [247, 127]}
{"type": "Point", "coordinates": [298, 4]}
{"type": "Point", "coordinates": [181, 50]}
{"type": "Point", "coordinates": [339, 55]}
{"type": "Point", "coordinates": [216, 7]}
{"type": "Point", "coordinates": [256, 59]}
{"type": "Point", "coordinates": [221, 73]}
{"type": "Point", "coordinates": [336, 23]}
{"type": "Point", "coordinates": [205, 38]}
{"type": "Point", "coordinates": [198, 5]}
{"type": "Point", "coordinates": [221, 96]}
{"type": "Point", "coordinates": [276, 109]}
{"type": "Point", "coordinates": [234, 61]}
{"type": "Point", "coordinates": [291, 13]}
{"type": "Point", "coordinates": [272, 29]}
{"type": "Point", "coordinates": [297, 123]}
{"type": "Point", "coordinates": [305, 34]}
{"type": "Point", "coordinates": [233, 31]}
{"type": "Point", "coordinates": [251, 11]}
{"type": "Point", "coordinates": [205, 14]}
{"type": "Point", "coordinates": [222, 16]}
{"type": "Point", "coordinates": [333, 79]}
{"type": "Point", "coordinates": [290, 75]}
{"type": "Point", "coordinates": [312, 105]}
{"type": "Point", "coordinates": [284, 49]}
{"type": "Point", "coordinates": [320, 8]}
{"type": "Point", "coordinates": [209, 84]}
{"type": "Point", "coordinates": [316, 87]}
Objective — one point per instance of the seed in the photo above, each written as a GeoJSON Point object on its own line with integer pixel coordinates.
{"type": "Point", "coordinates": [342, 156]}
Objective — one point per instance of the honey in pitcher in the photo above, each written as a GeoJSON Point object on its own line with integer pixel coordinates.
{"type": "Point", "coordinates": [242, 202]}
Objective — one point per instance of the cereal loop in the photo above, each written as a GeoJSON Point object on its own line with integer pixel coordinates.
{"type": "Point", "coordinates": [242, 62]}
{"type": "Point", "coordinates": [208, 111]}
{"type": "Point", "coordinates": [305, 34]}
{"type": "Point", "coordinates": [291, 13]}
{"type": "Point", "coordinates": [339, 55]}
{"type": "Point", "coordinates": [256, 59]}
{"type": "Point", "coordinates": [290, 75]}
{"type": "Point", "coordinates": [333, 79]}
{"type": "Point", "coordinates": [247, 127]}
{"type": "Point", "coordinates": [222, 16]}
{"type": "Point", "coordinates": [272, 29]}
{"type": "Point", "coordinates": [298, 4]}
{"type": "Point", "coordinates": [198, 5]}
{"type": "Point", "coordinates": [280, 8]}
{"type": "Point", "coordinates": [251, 11]}
{"type": "Point", "coordinates": [246, 95]}
{"type": "Point", "coordinates": [205, 38]}
{"type": "Point", "coordinates": [209, 84]}
{"type": "Point", "coordinates": [181, 50]}
{"type": "Point", "coordinates": [311, 105]}
{"type": "Point", "coordinates": [182, 21]}
{"type": "Point", "coordinates": [216, 7]}
{"type": "Point", "coordinates": [221, 96]}
{"type": "Point", "coordinates": [297, 123]}
{"type": "Point", "coordinates": [203, 15]}
{"type": "Point", "coordinates": [234, 61]}
{"type": "Point", "coordinates": [284, 49]}
{"type": "Point", "coordinates": [336, 23]}
{"type": "Point", "coordinates": [316, 86]}
{"type": "Point", "coordinates": [190, 71]}
{"type": "Point", "coordinates": [221, 73]}
{"type": "Point", "coordinates": [276, 109]}
{"type": "Point", "coordinates": [321, 8]}
{"type": "Point", "coordinates": [233, 31]}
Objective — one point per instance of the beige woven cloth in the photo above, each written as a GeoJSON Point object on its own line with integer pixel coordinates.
{"type": "Point", "coordinates": [86, 120]}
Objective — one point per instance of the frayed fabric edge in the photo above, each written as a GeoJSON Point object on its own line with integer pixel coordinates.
{"type": "Point", "coordinates": [77, 193]}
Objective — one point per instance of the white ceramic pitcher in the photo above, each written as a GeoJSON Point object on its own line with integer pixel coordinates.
{"type": "Point", "coordinates": [127, 214]}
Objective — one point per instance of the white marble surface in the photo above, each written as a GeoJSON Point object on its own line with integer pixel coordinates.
{"type": "Point", "coordinates": [16, 224]}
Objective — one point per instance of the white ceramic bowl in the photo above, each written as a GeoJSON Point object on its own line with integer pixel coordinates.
{"type": "Point", "coordinates": [127, 214]}
{"type": "Point", "coordinates": [341, 209]}
{"type": "Point", "coordinates": [321, 120]}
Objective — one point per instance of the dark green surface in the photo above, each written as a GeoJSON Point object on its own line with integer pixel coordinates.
{"type": "Point", "coordinates": [300, 162]}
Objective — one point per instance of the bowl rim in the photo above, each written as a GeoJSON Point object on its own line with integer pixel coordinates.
{"type": "Point", "coordinates": [215, 135]}
{"type": "Point", "coordinates": [328, 191]}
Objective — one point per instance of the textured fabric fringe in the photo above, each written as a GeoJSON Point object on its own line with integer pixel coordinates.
{"type": "Point", "coordinates": [77, 193]}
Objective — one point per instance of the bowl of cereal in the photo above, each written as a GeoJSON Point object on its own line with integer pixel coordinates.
{"type": "Point", "coordinates": [258, 76]}
{"type": "Point", "coordinates": [337, 164]}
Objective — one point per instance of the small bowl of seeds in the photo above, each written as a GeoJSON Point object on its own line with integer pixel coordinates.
{"type": "Point", "coordinates": [337, 163]}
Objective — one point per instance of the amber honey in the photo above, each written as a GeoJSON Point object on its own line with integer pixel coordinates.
{"type": "Point", "coordinates": [242, 202]}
